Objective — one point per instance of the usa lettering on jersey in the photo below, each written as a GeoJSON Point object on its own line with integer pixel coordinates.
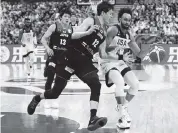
{"type": "Point", "coordinates": [27, 38]}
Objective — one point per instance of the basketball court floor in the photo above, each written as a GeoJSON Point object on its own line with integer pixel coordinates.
{"type": "Point", "coordinates": [154, 109]}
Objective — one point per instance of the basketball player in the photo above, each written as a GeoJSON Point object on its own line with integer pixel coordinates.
{"type": "Point", "coordinates": [74, 23]}
{"type": "Point", "coordinates": [115, 60]}
{"type": "Point", "coordinates": [60, 34]}
{"type": "Point", "coordinates": [28, 41]}
{"type": "Point", "coordinates": [80, 57]}
{"type": "Point", "coordinates": [79, 61]}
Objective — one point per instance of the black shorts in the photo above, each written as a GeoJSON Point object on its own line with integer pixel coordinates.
{"type": "Point", "coordinates": [60, 62]}
{"type": "Point", "coordinates": [74, 63]}
{"type": "Point", "coordinates": [57, 58]}
{"type": "Point", "coordinates": [81, 64]}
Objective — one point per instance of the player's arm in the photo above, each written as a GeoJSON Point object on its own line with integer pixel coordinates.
{"type": "Point", "coordinates": [20, 38]}
{"type": "Point", "coordinates": [45, 38]}
{"type": "Point", "coordinates": [105, 47]}
{"type": "Point", "coordinates": [35, 39]}
{"type": "Point", "coordinates": [85, 25]}
{"type": "Point", "coordinates": [111, 33]}
{"type": "Point", "coordinates": [83, 29]}
{"type": "Point", "coordinates": [135, 48]}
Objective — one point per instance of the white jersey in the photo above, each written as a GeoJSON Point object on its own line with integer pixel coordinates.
{"type": "Point", "coordinates": [121, 41]}
{"type": "Point", "coordinates": [28, 38]}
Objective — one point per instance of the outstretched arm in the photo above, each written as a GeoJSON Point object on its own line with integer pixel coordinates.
{"type": "Point", "coordinates": [135, 48]}
{"type": "Point", "coordinates": [86, 28]}
{"type": "Point", "coordinates": [20, 38]}
{"type": "Point", "coordinates": [106, 47]}
{"type": "Point", "coordinates": [45, 38]}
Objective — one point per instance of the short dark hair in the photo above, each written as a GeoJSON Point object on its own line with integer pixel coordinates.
{"type": "Point", "coordinates": [104, 7]}
{"type": "Point", "coordinates": [65, 11]}
{"type": "Point", "coordinates": [27, 19]}
{"type": "Point", "coordinates": [124, 10]}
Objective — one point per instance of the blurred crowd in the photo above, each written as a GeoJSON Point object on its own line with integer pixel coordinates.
{"type": "Point", "coordinates": [42, 14]}
{"type": "Point", "coordinates": [155, 17]}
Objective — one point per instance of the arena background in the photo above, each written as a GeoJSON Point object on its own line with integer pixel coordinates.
{"type": "Point", "coordinates": [154, 109]}
{"type": "Point", "coordinates": [154, 21]}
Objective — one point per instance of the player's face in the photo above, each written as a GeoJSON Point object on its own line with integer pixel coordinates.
{"type": "Point", "coordinates": [107, 16]}
{"type": "Point", "coordinates": [27, 23]}
{"type": "Point", "coordinates": [66, 18]}
{"type": "Point", "coordinates": [126, 21]}
{"type": "Point", "coordinates": [73, 18]}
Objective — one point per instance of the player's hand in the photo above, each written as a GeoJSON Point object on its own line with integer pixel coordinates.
{"type": "Point", "coordinates": [92, 29]}
{"type": "Point", "coordinates": [127, 57]}
{"type": "Point", "coordinates": [50, 52]}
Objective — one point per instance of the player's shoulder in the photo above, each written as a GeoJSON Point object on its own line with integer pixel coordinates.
{"type": "Point", "coordinates": [113, 29]}
{"type": "Point", "coordinates": [89, 20]}
{"type": "Point", "coordinates": [52, 27]}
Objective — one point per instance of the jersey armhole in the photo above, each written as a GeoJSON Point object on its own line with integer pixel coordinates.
{"type": "Point", "coordinates": [58, 26]}
{"type": "Point", "coordinates": [118, 28]}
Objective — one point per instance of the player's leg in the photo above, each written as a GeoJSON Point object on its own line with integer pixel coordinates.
{"type": "Point", "coordinates": [115, 77]}
{"type": "Point", "coordinates": [133, 82]}
{"type": "Point", "coordinates": [31, 62]}
{"type": "Point", "coordinates": [92, 80]}
{"type": "Point", "coordinates": [88, 74]}
{"type": "Point", "coordinates": [46, 66]}
{"type": "Point", "coordinates": [27, 64]}
{"type": "Point", "coordinates": [31, 59]}
{"type": "Point", "coordinates": [50, 72]}
{"type": "Point", "coordinates": [26, 57]}
{"type": "Point", "coordinates": [59, 85]}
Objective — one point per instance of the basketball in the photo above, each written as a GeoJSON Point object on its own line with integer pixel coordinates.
{"type": "Point", "coordinates": [157, 55]}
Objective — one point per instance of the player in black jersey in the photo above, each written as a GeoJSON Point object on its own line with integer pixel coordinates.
{"type": "Point", "coordinates": [119, 45]}
{"type": "Point", "coordinates": [80, 55]}
{"type": "Point", "coordinates": [60, 35]}
{"type": "Point", "coordinates": [79, 61]}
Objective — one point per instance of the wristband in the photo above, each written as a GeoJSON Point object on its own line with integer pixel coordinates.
{"type": "Point", "coordinates": [120, 57]}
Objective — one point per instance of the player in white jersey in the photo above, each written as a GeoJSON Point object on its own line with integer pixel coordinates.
{"type": "Point", "coordinates": [115, 62]}
{"type": "Point", "coordinates": [28, 41]}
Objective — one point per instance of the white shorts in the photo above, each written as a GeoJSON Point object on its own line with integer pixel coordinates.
{"type": "Point", "coordinates": [119, 65]}
{"type": "Point", "coordinates": [107, 65]}
{"type": "Point", "coordinates": [27, 50]}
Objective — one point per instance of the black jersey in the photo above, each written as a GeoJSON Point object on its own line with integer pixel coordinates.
{"type": "Point", "coordinates": [88, 45]}
{"type": "Point", "coordinates": [61, 37]}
